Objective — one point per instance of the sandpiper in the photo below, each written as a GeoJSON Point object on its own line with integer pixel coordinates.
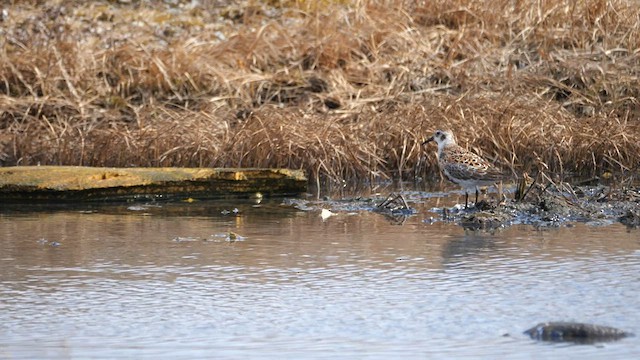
{"type": "Point", "coordinates": [461, 166]}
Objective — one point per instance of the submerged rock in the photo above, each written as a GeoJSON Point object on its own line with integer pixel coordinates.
{"type": "Point", "coordinates": [575, 332]}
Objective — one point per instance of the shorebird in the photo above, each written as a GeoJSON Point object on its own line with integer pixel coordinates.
{"type": "Point", "coordinates": [461, 166]}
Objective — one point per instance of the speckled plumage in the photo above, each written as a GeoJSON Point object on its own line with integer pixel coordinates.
{"type": "Point", "coordinates": [461, 166]}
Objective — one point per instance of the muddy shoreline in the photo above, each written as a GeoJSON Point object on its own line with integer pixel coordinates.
{"type": "Point", "coordinates": [597, 205]}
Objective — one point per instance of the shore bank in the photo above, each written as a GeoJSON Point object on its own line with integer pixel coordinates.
{"type": "Point", "coordinates": [343, 90]}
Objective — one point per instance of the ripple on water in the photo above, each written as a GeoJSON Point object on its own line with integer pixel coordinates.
{"type": "Point", "coordinates": [301, 288]}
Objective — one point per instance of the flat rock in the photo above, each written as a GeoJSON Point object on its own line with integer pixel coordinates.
{"type": "Point", "coordinates": [77, 183]}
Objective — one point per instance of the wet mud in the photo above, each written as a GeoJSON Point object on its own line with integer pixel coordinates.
{"type": "Point", "coordinates": [548, 207]}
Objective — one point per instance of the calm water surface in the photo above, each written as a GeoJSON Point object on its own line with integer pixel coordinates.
{"type": "Point", "coordinates": [166, 282]}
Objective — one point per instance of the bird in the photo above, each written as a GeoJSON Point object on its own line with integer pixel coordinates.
{"type": "Point", "coordinates": [461, 166]}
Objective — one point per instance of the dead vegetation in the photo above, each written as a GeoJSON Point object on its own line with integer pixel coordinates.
{"type": "Point", "coordinates": [343, 89]}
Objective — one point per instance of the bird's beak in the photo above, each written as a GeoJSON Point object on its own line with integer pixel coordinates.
{"type": "Point", "coordinates": [428, 140]}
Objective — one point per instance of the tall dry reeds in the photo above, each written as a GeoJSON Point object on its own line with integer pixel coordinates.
{"type": "Point", "coordinates": [343, 89]}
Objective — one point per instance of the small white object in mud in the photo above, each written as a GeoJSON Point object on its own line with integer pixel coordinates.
{"type": "Point", "coordinates": [229, 236]}
{"type": "Point", "coordinates": [457, 208]}
{"type": "Point", "coordinates": [325, 214]}
{"type": "Point", "coordinates": [233, 237]}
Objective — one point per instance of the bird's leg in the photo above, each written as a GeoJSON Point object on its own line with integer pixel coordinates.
{"type": "Point", "coordinates": [466, 199]}
{"type": "Point", "coordinates": [476, 195]}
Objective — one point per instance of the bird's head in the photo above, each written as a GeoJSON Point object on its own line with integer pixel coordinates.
{"type": "Point", "coordinates": [442, 138]}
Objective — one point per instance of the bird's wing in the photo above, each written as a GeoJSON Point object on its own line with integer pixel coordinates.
{"type": "Point", "coordinates": [457, 171]}
{"type": "Point", "coordinates": [465, 165]}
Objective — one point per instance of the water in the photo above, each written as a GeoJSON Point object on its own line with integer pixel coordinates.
{"type": "Point", "coordinates": [168, 282]}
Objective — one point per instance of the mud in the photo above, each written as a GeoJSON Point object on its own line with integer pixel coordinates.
{"type": "Point", "coordinates": [549, 207]}
{"type": "Point", "coordinates": [555, 208]}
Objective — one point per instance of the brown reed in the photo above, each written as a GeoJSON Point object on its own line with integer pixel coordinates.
{"type": "Point", "coordinates": [346, 90]}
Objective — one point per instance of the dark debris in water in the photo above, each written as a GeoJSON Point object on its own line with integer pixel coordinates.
{"type": "Point", "coordinates": [631, 218]}
{"type": "Point", "coordinates": [396, 208]}
{"type": "Point", "coordinates": [578, 333]}
{"type": "Point", "coordinates": [395, 205]}
{"type": "Point", "coordinates": [484, 220]}
{"type": "Point", "coordinates": [44, 241]}
{"type": "Point", "coordinates": [228, 236]}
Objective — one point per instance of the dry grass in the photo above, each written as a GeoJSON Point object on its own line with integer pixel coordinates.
{"type": "Point", "coordinates": [343, 89]}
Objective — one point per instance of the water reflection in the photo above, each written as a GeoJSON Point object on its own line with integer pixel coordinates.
{"type": "Point", "coordinates": [162, 281]}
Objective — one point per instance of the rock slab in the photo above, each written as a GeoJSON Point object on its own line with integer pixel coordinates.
{"type": "Point", "coordinates": [78, 183]}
